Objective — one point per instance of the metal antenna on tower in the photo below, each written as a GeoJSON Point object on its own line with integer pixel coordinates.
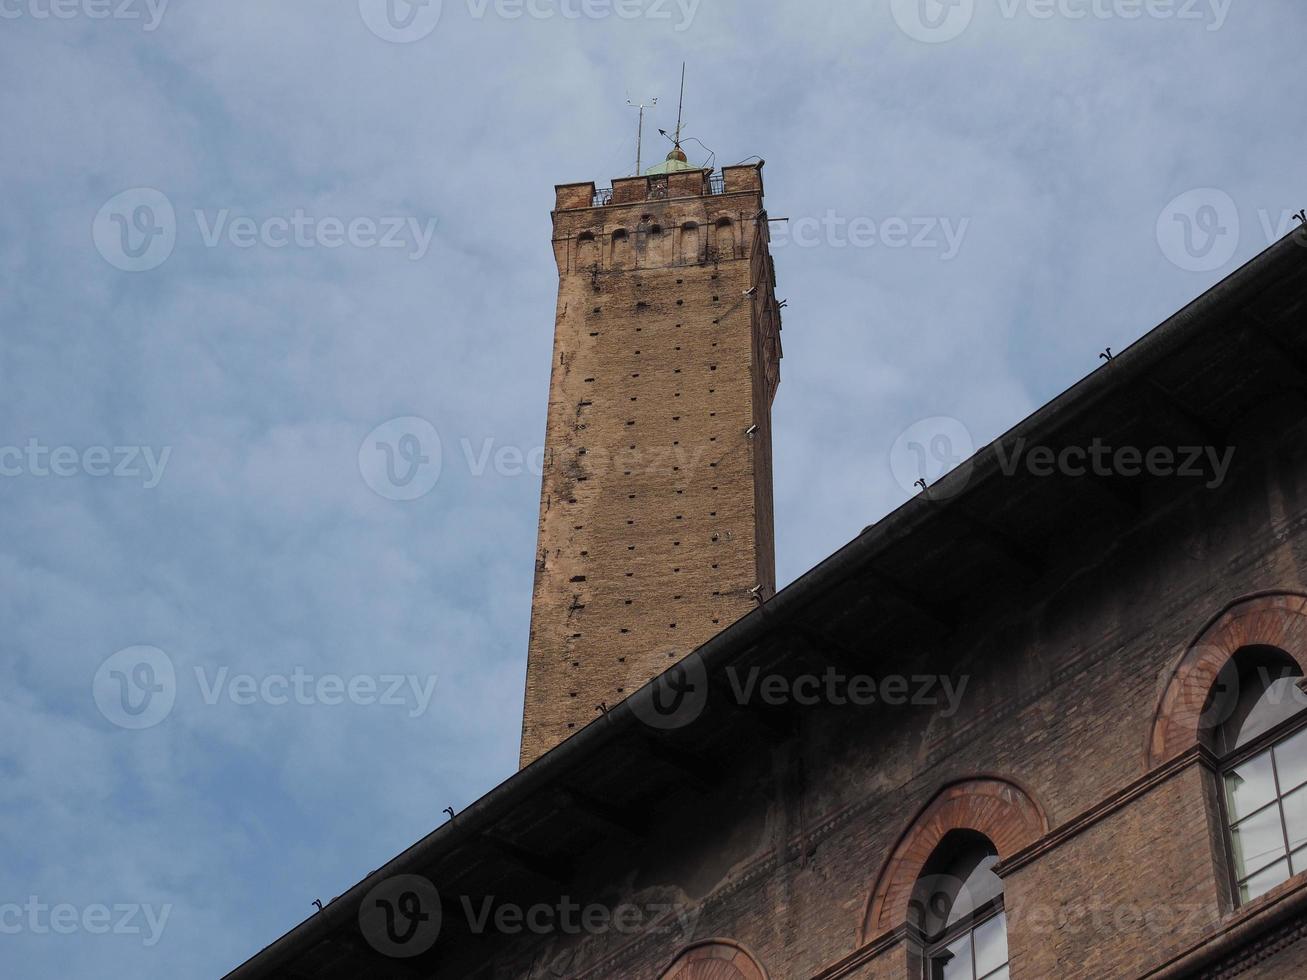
{"type": "Point", "coordinates": [677, 138]}
{"type": "Point", "coordinates": [639, 138]}
{"type": "Point", "coordinates": [680, 109]}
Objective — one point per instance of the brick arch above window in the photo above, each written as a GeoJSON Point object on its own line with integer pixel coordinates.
{"type": "Point", "coordinates": [999, 809]}
{"type": "Point", "coordinates": [1272, 619]}
{"type": "Point", "coordinates": [715, 959]}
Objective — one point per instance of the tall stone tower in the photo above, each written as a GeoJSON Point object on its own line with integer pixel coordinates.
{"type": "Point", "coordinates": [656, 505]}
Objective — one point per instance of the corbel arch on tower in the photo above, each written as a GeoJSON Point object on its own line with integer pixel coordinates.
{"type": "Point", "coordinates": [991, 806]}
{"type": "Point", "coordinates": [587, 250]}
{"type": "Point", "coordinates": [621, 251]}
{"type": "Point", "coordinates": [724, 237]}
{"type": "Point", "coordinates": [691, 246]}
{"type": "Point", "coordinates": [1183, 712]}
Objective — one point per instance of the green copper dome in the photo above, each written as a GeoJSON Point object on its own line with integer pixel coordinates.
{"type": "Point", "coordinates": [676, 161]}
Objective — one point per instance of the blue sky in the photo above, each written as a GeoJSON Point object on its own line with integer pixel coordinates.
{"type": "Point", "coordinates": [983, 196]}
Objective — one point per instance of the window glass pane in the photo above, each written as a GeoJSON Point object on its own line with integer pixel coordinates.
{"type": "Point", "coordinates": [1291, 758]}
{"type": "Point", "coordinates": [1000, 974]}
{"type": "Point", "coordinates": [1281, 700]}
{"type": "Point", "coordinates": [1295, 817]}
{"type": "Point", "coordinates": [1253, 693]}
{"type": "Point", "coordinates": [980, 886]}
{"type": "Point", "coordinates": [1260, 883]}
{"type": "Point", "coordinates": [954, 962]}
{"type": "Point", "coordinates": [957, 881]}
{"type": "Point", "coordinates": [1258, 841]}
{"type": "Point", "coordinates": [1250, 787]}
{"type": "Point", "coordinates": [990, 939]}
{"type": "Point", "coordinates": [1300, 861]}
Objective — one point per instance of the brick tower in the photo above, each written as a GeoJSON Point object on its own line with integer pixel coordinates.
{"type": "Point", "coordinates": [656, 505]}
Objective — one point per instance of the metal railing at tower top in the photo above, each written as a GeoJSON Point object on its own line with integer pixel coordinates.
{"type": "Point", "coordinates": [604, 196]}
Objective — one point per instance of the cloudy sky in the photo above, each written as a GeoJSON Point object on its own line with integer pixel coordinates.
{"type": "Point", "coordinates": [238, 236]}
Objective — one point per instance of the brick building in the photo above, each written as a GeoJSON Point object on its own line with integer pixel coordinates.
{"type": "Point", "coordinates": [1045, 720]}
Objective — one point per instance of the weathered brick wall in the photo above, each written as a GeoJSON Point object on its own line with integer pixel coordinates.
{"type": "Point", "coordinates": [655, 517]}
{"type": "Point", "coordinates": [1063, 684]}
{"type": "Point", "coordinates": [1285, 964]}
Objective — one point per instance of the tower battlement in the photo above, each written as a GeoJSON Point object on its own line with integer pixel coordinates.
{"type": "Point", "coordinates": [661, 221]}
{"type": "Point", "coordinates": [742, 178]}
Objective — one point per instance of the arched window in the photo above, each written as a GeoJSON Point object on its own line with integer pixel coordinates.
{"type": "Point", "coordinates": [957, 911]}
{"type": "Point", "coordinates": [655, 246]}
{"type": "Point", "coordinates": [587, 250]}
{"type": "Point", "coordinates": [690, 245]}
{"type": "Point", "coordinates": [621, 247]}
{"type": "Point", "coordinates": [1255, 719]}
{"type": "Point", "coordinates": [725, 242]}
